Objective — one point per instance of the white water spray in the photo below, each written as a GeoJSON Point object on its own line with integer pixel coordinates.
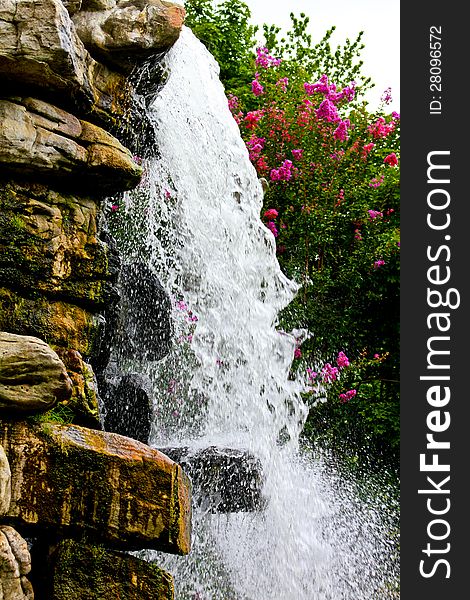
{"type": "Point", "coordinates": [227, 381]}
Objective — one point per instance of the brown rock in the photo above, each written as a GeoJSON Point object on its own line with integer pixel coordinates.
{"type": "Point", "coordinates": [41, 51]}
{"type": "Point", "coordinates": [79, 481]}
{"type": "Point", "coordinates": [128, 32]}
{"type": "Point", "coordinates": [87, 572]}
{"type": "Point", "coordinates": [59, 323]}
{"type": "Point", "coordinates": [32, 376]}
{"type": "Point", "coordinates": [15, 564]}
{"type": "Point", "coordinates": [84, 400]}
{"type": "Point", "coordinates": [38, 139]}
{"type": "Point", "coordinates": [72, 6]}
{"type": "Point", "coordinates": [49, 242]}
{"type": "Point", "coordinates": [5, 482]}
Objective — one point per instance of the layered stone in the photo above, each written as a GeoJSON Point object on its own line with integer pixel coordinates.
{"type": "Point", "coordinates": [49, 241]}
{"type": "Point", "coordinates": [41, 51]}
{"type": "Point", "coordinates": [79, 481]}
{"type": "Point", "coordinates": [38, 139]}
{"type": "Point", "coordinates": [59, 323]}
{"type": "Point", "coordinates": [32, 376]}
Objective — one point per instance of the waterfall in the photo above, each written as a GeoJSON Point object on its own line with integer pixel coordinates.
{"type": "Point", "coordinates": [195, 221]}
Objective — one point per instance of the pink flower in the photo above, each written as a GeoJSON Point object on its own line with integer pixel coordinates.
{"type": "Point", "coordinates": [297, 353]}
{"type": "Point", "coordinates": [114, 207]}
{"type": "Point", "coordinates": [391, 160]}
{"type": "Point", "coordinates": [283, 83]}
{"type": "Point", "coordinates": [297, 153]}
{"type": "Point", "coordinates": [347, 396]}
{"type": "Point", "coordinates": [381, 129]}
{"type": "Point", "coordinates": [321, 86]}
{"type": "Point", "coordinates": [387, 96]}
{"type": "Point", "coordinates": [366, 149]}
{"type": "Point", "coordinates": [327, 111]}
{"type": "Point", "coordinates": [272, 227]}
{"type": "Point", "coordinates": [284, 173]}
{"type": "Point", "coordinates": [376, 181]}
{"type": "Point", "coordinates": [349, 91]}
{"type": "Point", "coordinates": [374, 214]}
{"type": "Point", "coordinates": [357, 234]}
{"type": "Point", "coordinates": [311, 374]}
{"type": "Point", "coordinates": [379, 263]}
{"type": "Point", "coordinates": [341, 132]}
{"type": "Point", "coordinates": [233, 103]}
{"type": "Point", "coordinates": [271, 214]}
{"type": "Point", "coordinates": [181, 305]}
{"type": "Point", "coordinates": [376, 356]}
{"type": "Point", "coordinates": [265, 60]}
{"type": "Point", "coordinates": [342, 360]}
{"type": "Point", "coordinates": [257, 88]}
{"type": "Point", "coordinates": [252, 118]}
{"type": "Point", "coordinates": [329, 373]}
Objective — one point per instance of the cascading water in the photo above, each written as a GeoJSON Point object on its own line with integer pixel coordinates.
{"type": "Point", "coordinates": [226, 382]}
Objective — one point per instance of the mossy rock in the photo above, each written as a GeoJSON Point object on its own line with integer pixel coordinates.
{"type": "Point", "coordinates": [58, 323]}
{"type": "Point", "coordinates": [49, 242]}
{"type": "Point", "coordinates": [75, 482]}
{"type": "Point", "coordinates": [91, 572]}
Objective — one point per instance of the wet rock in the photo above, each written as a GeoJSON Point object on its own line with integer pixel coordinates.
{"type": "Point", "coordinates": [145, 314]}
{"type": "Point", "coordinates": [5, 482]}
{"type": "Point", "coordinates": [224, 479]}
{"type": "Point", "coordinates": [80, 482]}
{"type": "Point", "coordinates": [128, 406]}
{"type": "Point", "coordinates": [15, 564]}
{"type": "Point", "coordinates": [32, 376]}
{"type": "Point", "coordinates": [89, 572]}
{"type": "Point", "coordinates": [41, 140]}
{"type": "Point", "coordinates": [126, 33]}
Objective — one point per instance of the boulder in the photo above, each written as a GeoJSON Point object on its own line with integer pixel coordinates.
{"type": "Point", "coordinates": [15, 564]}
{"type": "Point", "coordinates": [145, 314]}
{"type": "Point", "coordinates": [5, 482]}
{"type": "Point", "coordinates": [224, 479]}
{"type": "Point", "coordinates": [49, 241]}
{"type": "Point", "coordinates": [41, 52]}
{"type": "Point", "coordinates": [128, 406]}
{"type": "Point", "coordinates": [90, 572]}
{"type": "Point", "coordinates": [38, 140]}
{"type": "Point", "coordinates": [80, 482]}
{"type": "Point", "coordinates": [32, 376]}
{"type": "Point", "coordinates": [126, 33]}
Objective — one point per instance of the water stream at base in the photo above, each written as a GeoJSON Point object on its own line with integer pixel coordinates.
{"type": "Point", "coordinates": [226, 381]}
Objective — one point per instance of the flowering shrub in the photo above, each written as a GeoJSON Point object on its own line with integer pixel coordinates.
{"type": "Point", "coordinates": [333, 206]}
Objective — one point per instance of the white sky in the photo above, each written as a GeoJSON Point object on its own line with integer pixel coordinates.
{"type": "Point", "coordinates": [379, 19]}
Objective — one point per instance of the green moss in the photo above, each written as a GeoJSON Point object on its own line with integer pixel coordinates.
{"type": "Point", "coordinates": [61, 414]}
{"type": "Point", "coordinates": [91, 572]}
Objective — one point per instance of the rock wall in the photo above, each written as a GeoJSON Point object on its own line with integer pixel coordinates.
{"type": "Point", "coordinates": [72, 496]}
